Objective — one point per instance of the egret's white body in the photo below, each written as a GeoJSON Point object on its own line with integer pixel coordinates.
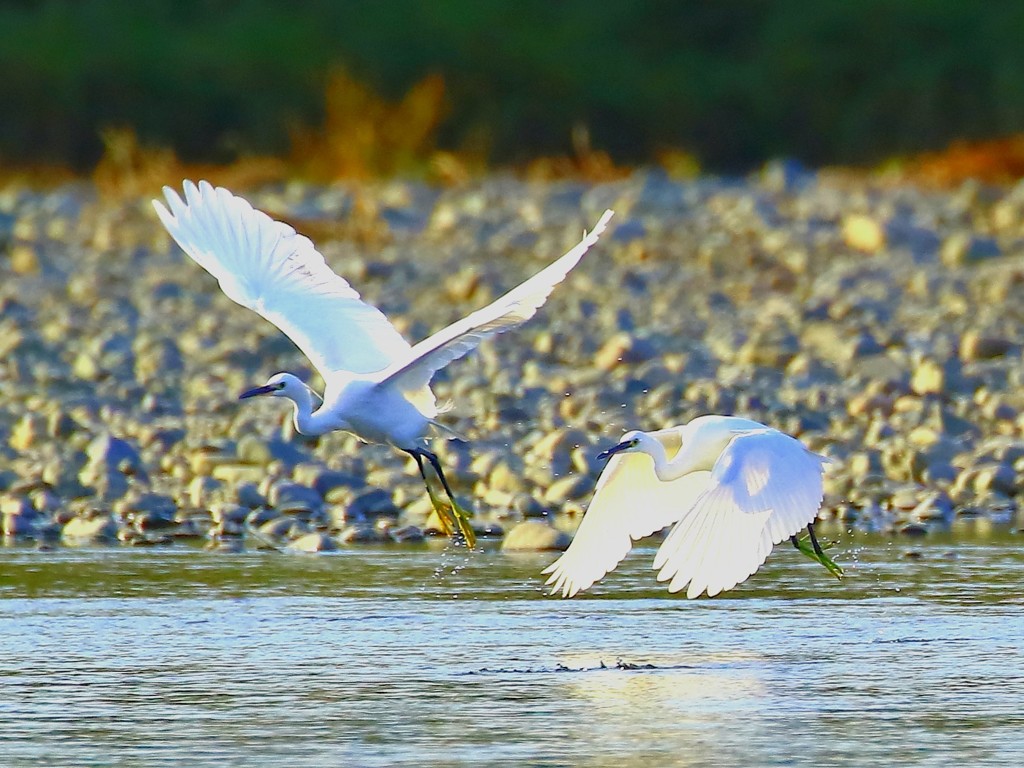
{"type": "Point", "coordinates": [377, 385]}
{"type": "Point", "coordinates": [732, 487]}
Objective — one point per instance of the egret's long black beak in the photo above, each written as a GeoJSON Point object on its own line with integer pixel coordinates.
{"type": "Point", "coordinates": [614, 449]}
{"type": "Point", "coordinates": [266, 389]}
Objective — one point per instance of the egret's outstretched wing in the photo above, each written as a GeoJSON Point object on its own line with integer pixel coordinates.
{"type": "Point", "coordinates": [765, 487]}
{"type": "Point", "coordinates": [630, 502]}
{"type": "Point", "coordinates": [415, 370]}
{"type": "Point", "coordinates": [264, 265]}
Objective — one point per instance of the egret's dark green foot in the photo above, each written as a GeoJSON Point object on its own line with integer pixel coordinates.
{"type": "Point", "coordinates": [809, 546]}
{"type": "Point", "coordinates": [450, 515]}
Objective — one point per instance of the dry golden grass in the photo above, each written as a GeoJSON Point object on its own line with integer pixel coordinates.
{"type": "Point", "coordinates": [362, 225]}
{"type": "Point", "coordinates": [36, 175]}
{"type": "Point", "coordinates": [997, 161]}
{"type": "Point", "coordinates": [129, 170]}
{"type": "Point", "coordinates": [365, 137]}
{"type": "Point", "coordinates": [585, 163]}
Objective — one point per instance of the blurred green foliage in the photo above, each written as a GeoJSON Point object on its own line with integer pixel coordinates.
{"type": "Point", "coordinates": [736, 81]}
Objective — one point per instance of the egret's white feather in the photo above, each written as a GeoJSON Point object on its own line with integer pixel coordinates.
{"type": "Point", "coordinates": [376, 384]}
{"type": "Point", "coordinates": [629, 503]}
{"type": "Point", "coordinates": [517, 306]}
{"type": "Point", "coordinates": [765, 487]}
{"type": "Point", "coordinates": [266, 266]}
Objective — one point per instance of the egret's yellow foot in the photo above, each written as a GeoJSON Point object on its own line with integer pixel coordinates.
{"type": "Point", "coordinates": [441, 512]}
{"type": "Point", "coordinates": [452, 517]}
{"type": "Point", "coordinates": [461, 519]}
{"type": "Point", "coordinates": [804, 545]}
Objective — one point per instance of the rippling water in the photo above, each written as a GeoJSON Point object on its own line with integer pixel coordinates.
{"type": "Point", "coordinates": [435, 657]}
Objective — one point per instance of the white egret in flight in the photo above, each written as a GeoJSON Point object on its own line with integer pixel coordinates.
{"type": "Point", "coordinates": [734, 488]}
{"type": "Point", "coordinates": [377, 386]}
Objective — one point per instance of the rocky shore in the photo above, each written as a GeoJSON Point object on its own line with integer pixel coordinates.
{"type": "Point", "coordinates": [882, 324]}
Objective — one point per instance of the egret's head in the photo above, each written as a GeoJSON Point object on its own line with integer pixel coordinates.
{"type": "Point", "coordinates": [631, 441]}
{"type": "Point", "coordinates": [278, 385]}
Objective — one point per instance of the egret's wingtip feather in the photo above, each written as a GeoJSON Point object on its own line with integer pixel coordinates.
{"type": "Point", "coordinates": [508, 311]}
{"type": "Point", "coordinates": [591, 237]}
{"type": "Point", "coordinates": [170, 194]}
{"type": "Point", "coordinates": [193, 197]}
{"type": "Point", "coordinates": [673, 587]}
{"type": "Point", "coordinates": [265, 266]}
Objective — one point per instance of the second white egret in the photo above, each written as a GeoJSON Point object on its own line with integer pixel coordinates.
{"type": "Point", "coordinates": [377, 385]}
{"type": "Point", "coordinates": [733, 488]}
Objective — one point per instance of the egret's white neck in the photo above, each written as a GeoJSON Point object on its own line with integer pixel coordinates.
{"type": "Point", "coordinates": [683, 463]}
{"type": "Point", "coordinates": [307, 421]}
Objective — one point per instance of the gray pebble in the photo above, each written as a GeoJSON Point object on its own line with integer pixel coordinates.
{"type": "Point", "coordinates": [203, 490]}
{"type": "Point", "coordinates": [361, 533]}
{"type": "Point", "coordinates": [114, 453]}
{"type": "Point", "coordinates": [286, 494]}
{"type": "Point", "coordinates": [569, 488]}
{"type": "Point", "coordinates": [248, 495]}
{"type": "Point", "coordinates": [527, 506]}
{"type": "Point", "coordinates": [18, 526]}
{"type": "Point", "coordinates": [406, 534]}
{"type": "Point", "coordinates": [313, 542]}
{"type": "Point", "coordinates": [227, 512]}
{"type": "Point", "coordinates": [963, 248]}
{"type": "Point", "coordinates": [89, 531]}
{"type": "Point", "coordinates": [996, 477]}
{"type": "Point", "coordinates": [238, 474]}
{"type": "Point", "coordinates": [371, 504]}
{"type": "Point", "coordinates": [283, 528]}
{"type": "Point", "coordinates": [534, 536]}
{"type": "Point", "coordinates": [258, 517]}
{"type": "Point", "coordinates": [324, 480]}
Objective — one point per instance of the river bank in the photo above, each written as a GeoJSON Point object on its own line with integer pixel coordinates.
{"type": "Point", "coordinates": [881, 324]}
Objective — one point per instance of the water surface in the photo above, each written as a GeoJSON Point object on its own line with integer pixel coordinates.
{"type": "Point", "coordinates": [399, 657]}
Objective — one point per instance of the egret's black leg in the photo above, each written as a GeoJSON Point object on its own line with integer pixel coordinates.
{"type": "Point", "coordinates": [419, 463]}
{"type": "Point", "coordinates": [456, 518]}
{"type": "Point", "coordinates": [814, 541]}
{"type": "Point", "coordinates": [432, 458]}
{"type": "Point", "coordinates": [438, 505]}
{"type": "Point", "coordinates": [795, 543]}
